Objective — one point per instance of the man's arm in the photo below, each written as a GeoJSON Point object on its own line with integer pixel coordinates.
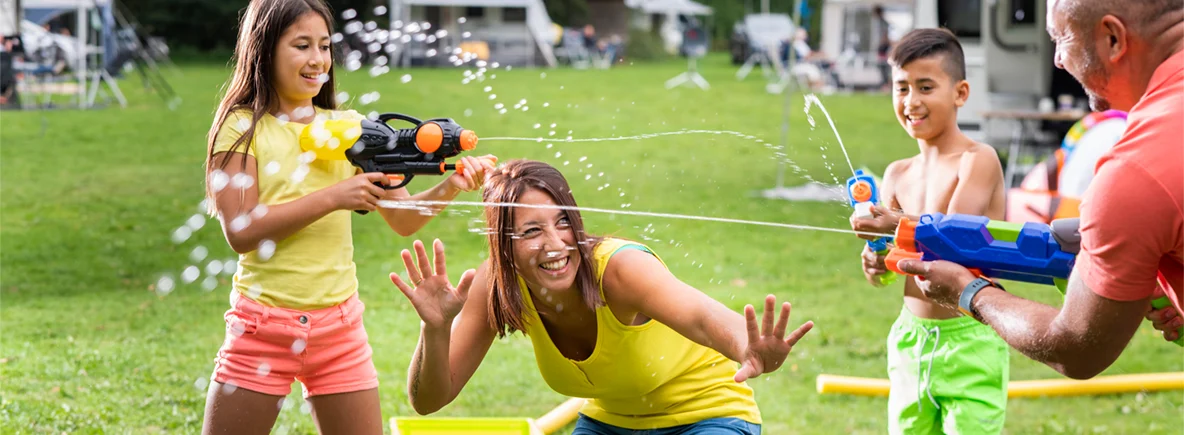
{"type": "Point", "coordinates": [1123, 226]}
{"type": "Point", "coordinates": [1080, 340]}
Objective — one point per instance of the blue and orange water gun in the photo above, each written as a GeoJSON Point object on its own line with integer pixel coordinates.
{"type": "Point", "coordinates": [1029, 252]}
{"type": "Point", "coordinates": [862, 194]}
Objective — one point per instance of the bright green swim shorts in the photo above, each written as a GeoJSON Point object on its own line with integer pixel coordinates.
{"type": "Point", "coordinates": [948, 376]}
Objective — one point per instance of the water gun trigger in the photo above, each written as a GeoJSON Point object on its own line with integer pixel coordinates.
{"type": "Point", "coordinates": [396, 181]}
{"type": "Point", "coordinates": [896, 255]}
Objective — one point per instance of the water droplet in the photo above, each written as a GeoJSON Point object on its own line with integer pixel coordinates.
{"type": "Point", "coordinates": [305, 408]}
{"type": "Point", "coordinates": [379, 70]}
{"type": "Point", "coordinates": [298, 346]}
{"type": "Point", "coordinates": [242, 181]}
{"type": "Point", "coordinates": [566, 162]}
{"type": "Point", "coordinates": [198, 254]}
{"type": "Point", "coordinates": [546, 104]}
{"type": "Point", "coordinates": [406, 78]}
{"type": "Point", "coordinates": [180, 235]}
{"type": "Point", "coordinates": [583, 158]}
{"type": "Point", "coordinates": [349, 14]}
{"type": "Point", "coordinates": [218, 180]}
{"type": "Point", "coordinates": [588, 177]}
{"type": "Point", "coordinates": [558, 154]}
{"type": "Point", "coordinates": [196, 221]}
{"type": "Point", "coordinates": [240, 222]}
{"type": "Point", "coordinates": [271, 168]}
{"type": "Point", "coordinates": [254, 291]}
{"type": "Point", "coordinates": [209, 283]}
{"type": "Point", "coordinates": [499, 106]}
{"type": "Point", "coordinates": [164, 285]}
{"type": "Point", "coordinates": [214, 267]}
{"type": "Point", "coordinates": [381, 10]}
{"type": "Point", "coordinates": [503, 111]}
{"type": "Point", "coordinates": [322, 78]}
{"type": "Point", "coordinates": [201, 383]}
{"type": "Point", "coordinates": [552, 133]}
{"type": "Point", "coordinates": [190, 274]}
{"type": "Point", "coordinates": [461, 20]}
{"type": "Point", "coordinates": [492, 96]}
{"type": "Point", "coordinates": [342, 97]}
{"type": "Point", "coordinates": [550, 145]}
{"type": "Point", "coordinates": [266, 249]}
{"type": "Point", "coordinates": [263, 369]}
{"type": "Point", "coordinates": [230, 266]}
{"type": "Point", "coordinates": [299, 174]}
{"type": "Point", "coordinates": [229, 387]}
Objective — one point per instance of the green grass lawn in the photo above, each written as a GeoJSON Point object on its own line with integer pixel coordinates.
{"type": "Point", "coordinates": [90, 200]}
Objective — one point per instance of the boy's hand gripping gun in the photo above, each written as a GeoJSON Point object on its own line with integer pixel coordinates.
{"type": "Point", "coordinates": [862, 194]}
{"type": "Point", "coordinates": [375, 146]}
{"type": "Point", "coordinates": [1029, 252]}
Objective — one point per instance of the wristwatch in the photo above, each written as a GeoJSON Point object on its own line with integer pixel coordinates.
{"type": "Point", "coordinates": [969, 293]}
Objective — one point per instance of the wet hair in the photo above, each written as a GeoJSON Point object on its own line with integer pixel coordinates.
{"type": "Point", "coordinates": [507, 185]}
{"type": "Point", "coordinates": [250, 86]}
{"type": "Point", "coordinates": [929, 43]}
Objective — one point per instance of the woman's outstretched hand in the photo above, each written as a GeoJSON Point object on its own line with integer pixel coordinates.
{"type": "Point", "coordinates": [434, 298]}
{"type": "Point", "coordinates": [767, 346]}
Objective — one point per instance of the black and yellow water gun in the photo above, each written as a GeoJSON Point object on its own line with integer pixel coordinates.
{"type": "Point", "coordinates": [400, 153]}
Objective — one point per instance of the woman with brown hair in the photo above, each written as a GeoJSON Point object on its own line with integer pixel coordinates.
{"type": "Point", "coordinates": [607, 320]}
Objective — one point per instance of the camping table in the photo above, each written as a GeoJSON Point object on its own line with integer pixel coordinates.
{"type": "Point", "coordinates": [1027, 125]}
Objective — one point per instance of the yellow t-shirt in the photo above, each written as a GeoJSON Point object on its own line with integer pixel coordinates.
{"type": "Point", "coordinates": [314, 267]}
{"type": "Point", "coordinates": [641, 377]}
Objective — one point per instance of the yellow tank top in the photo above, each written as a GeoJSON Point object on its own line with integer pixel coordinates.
{"type": "Point", "coordinates": [641, 377]}
{"type": "Point", "coordinates": [313, 268]}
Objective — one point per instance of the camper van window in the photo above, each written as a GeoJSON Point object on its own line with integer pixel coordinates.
{"type": "Point", "coordinates": [514, 15]}
{"type": "Point", "coordinates": [963, 17]}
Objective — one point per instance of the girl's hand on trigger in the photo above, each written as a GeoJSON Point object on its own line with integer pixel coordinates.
{"type": "Point", "coordinates": [434, 298]}
{"type": "Point", "coordinates": [767, 347]}
{"type": "Point", "coordinates": [358, 192]}
{"type": "Point", "coordinates": [473, 176]}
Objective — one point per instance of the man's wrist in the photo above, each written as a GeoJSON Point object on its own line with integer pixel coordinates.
{"type": "Point", "coordinates": [970, 294]}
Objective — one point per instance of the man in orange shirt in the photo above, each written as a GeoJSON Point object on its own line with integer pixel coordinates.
{"type": "Point", "coordinates": [1128, 56]}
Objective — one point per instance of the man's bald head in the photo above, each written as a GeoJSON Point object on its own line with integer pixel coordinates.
{"type": "Point", "coordinates": [1144, 17]}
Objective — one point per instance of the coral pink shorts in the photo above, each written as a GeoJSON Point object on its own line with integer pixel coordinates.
{"type": "Point", "coordinates": [267, 348]}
